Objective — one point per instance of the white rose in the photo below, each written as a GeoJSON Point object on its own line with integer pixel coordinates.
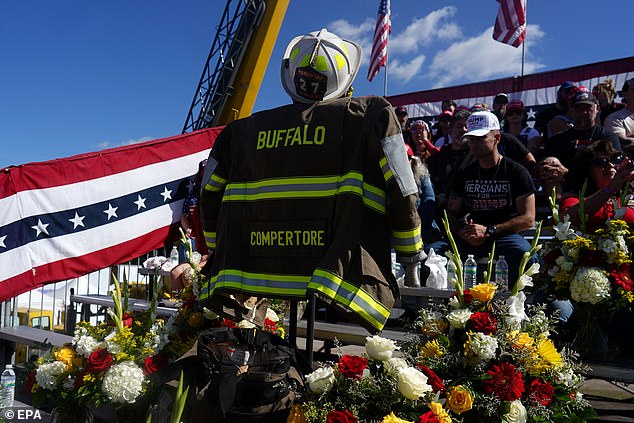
{"type": "Point", "coordinates": [517, 413]}
{"type": "Point", "coordinates": [412, 383]}
{"type": "Point", "coordinates": [272, 315]}
{"type": "Point", "coordinates": [321, 380]}
{"type": "Point", "coordinates": [395, 364]}
{"type": "Point", "coordinates": [379, 348]}
{"type": "Point", "coordinates": [458, 318]}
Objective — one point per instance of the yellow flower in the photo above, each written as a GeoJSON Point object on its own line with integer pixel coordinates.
{"type": "Point", "coordinates": [432, 349]}
{"type": "Point", "coordinates": [483, 292]}
{"type": "Point", "coordinates": [391, 418]}
{"type": "Point", "coordinates": [459, 399]}
{"type": "Point", "coordinates": [520, 340]}
{"type": "Point", "coordinates": [441, 413]}
{"type": "Point", "coordinates": [546, 356]}
{"type": "Point", "coordinates": [296, 415]}
{"type": "Point", "coordinates": [196, 319]}
{"type": "Point", "coordinates": [66, 355]}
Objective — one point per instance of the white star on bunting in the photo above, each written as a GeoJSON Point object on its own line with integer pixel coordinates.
{"type": "Point", "coordinates": [40, 228]}
{"type": "Point", "coordinates": [167, 194]}
{"type": "Point", "coordinates": [140, 202]}
{"type": "Point", "coordinates": [77, 221]}
{"type": "Point", "coordinates": [2, 238]}
{"type": "Point", "coordinates": [530, 113]}
{"type": "Point", "coordinates": [111, 212]}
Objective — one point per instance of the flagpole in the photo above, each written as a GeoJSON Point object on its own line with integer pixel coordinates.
{"type": "Point", "coordinates": [524, 42]}
{"type": "Point", "coordinates": [387, 56]}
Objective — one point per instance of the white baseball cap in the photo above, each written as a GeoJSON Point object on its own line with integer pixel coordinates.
{"type": "Point", "coordinates": [480, 123]}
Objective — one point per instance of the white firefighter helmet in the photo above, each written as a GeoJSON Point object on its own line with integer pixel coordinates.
{"type": "Point", "coordinates": [319, 66]}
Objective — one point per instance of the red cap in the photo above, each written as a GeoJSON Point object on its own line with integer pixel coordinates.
{"type": "Point", "coordinates": [515, 104]}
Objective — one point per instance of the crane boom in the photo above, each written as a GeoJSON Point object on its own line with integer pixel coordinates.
{"type": "Point", "coordinates": [236, 63]}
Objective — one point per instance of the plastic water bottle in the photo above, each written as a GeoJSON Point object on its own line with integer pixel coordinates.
{"type": "Point", "coordinates": [470, 272]}
{"type": "Point", "coordinates": [502, 274]}
{"type": "Point", "coordinates": [451, 275]}
{"type": "Point", "coordinates": [7, 380]}
{"type": "Point", "coordinates": [174, 259]}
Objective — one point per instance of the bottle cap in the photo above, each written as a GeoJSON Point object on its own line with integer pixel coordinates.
{"type": "Point", "coordinates": [9, 366]}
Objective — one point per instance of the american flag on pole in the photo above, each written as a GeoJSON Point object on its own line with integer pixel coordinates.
{"type": "Point", "coordinates": [68, 217]}
{"type": "Point", "coordinates": [510, 24]}
{"type": "Point", "coordinates": [379, 46]}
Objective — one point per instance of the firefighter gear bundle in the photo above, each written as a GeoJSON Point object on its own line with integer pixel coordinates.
{"type": "Point", "coordinates": [310, 198]}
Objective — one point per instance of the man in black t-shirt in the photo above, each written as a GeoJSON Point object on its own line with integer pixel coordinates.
{"type": "Point", "coordinates": [495, 194]}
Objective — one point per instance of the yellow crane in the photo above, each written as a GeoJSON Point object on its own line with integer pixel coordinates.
{"type": "Point", "coordinates": [236, 63]}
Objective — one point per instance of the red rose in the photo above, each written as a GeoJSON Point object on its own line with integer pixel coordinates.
{"type": "Point", "coordinates": [504, 382]}
{"type": "Point", "coordinates": [127, 320]}
{"type": "Point", "coordinates": [428, 417]}
{"type": "Point", "coordinates": [229, 323]}
{"type": "Point", "coordinates": [154, 363]}
{"type": "Point", "coordinates": [542, 391]}
{"type": "Point", "coordinates": [352, 366]}
{"type": "Point", "coordinates": [99, 361]}
{"type": "Point", "coordinates": [336, 416]}
{"type": "Point", "coordinates": [432, 378]}
{"type": "Point", "coordinates": [483, 322]}
{"type": "Point", "coordinates": [270, 325]}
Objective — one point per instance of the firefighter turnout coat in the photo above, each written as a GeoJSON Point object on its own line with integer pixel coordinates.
{"type": "Point", "coordinates": [310, 198]}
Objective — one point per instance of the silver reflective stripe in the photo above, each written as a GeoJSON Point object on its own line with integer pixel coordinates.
{"type": "Point", "coordinates": [393, 147]}
{"type": "Point", "coordinates": [209, 169]}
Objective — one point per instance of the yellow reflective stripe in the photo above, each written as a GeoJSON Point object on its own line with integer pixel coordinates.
{"type": "Point", "coordinates": [385, 168]}
{"type": "Point", "coordinates": [374, 197]}
{"type": "Point", "coordinates": [409, 241]}
{"type": "Point", "coordinates": [210, 239]}
{"type": "Point", "coordinates": [257, 283]}
{"type": "Point", "coordinates": [215, 183]}
{"type": "Point", "coordinates": [351, 296]}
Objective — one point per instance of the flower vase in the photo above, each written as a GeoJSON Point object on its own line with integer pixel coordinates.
{"type": "Point", "coordinates": [72, 413]}
{"type": "Point", "coordinates": [592, 340]}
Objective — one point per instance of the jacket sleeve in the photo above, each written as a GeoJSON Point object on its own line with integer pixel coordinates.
{"type": "Point", "coordinates": [214, 182]}
{"type": "Point", "coordinates": [401, 187]}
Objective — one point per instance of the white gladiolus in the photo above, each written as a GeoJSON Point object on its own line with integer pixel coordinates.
{"type": "Point", "coordinates": [379, 348]}
{"type": "Point", "coordinates": [516, 313]}
{"type": "Point", "coordinates": [123, 382]}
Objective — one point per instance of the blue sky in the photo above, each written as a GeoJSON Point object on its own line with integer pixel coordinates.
{"type": "Point", "coordinates": [79, 76]}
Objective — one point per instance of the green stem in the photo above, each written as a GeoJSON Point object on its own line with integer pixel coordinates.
{"type": "Point", "coordinates": [456, 259]}
{"type": "Point", "coordinates": [487, 277]}
{"type": "Point", "coordinates": [534, 248]}
{"type": "Point", "coordinates": [117, 316]}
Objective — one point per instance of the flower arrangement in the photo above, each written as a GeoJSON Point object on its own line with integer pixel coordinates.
{"type": "Point", "coordinates": [491, 358]}
{"type": "Point", "coordinates": [375, 387]}
{"type": "Point", "coordinates": [105, 364]}
{"type": "Point", "coordinates": [590, 268]}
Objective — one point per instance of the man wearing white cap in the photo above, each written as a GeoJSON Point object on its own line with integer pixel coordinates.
{"type": "Point", "coordinates": [495, 194]}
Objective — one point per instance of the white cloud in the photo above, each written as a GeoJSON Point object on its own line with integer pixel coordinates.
{"type": "Point", "coordinates": [404, 72]}
{"type": "Point", "coordinates": [109, 144]}
{"type": "Point", "coordinates": [424, 31]}
{"type": "Point", "coordinates": [481, 58]}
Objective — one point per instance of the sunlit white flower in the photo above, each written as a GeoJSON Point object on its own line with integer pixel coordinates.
{"type": "Point", "coordinates": [394, 364]}
{"type": "Point", "coordinates": [517, 413]}
{"type": "Point", "coordinates": [454, 302]}
{"type": "Point", "coordinates": [563, 230]}
{"type": "Point", "coordinates": [321, 380]}
{"type": "Point", "coordinates": [48, 374]}
{"type": "Point", "coordinates": [590, 285]}
{"type": "Point", "coordinates": [516, 313]}
{"type": "Point", "coordinates": [272, 315]}
{"type": "Point", "coordinates": [85, 344]}
{"type": "Point", "coordinates": [123, 382]}
{"type": "Point", "coordinates": [412, 383]}
{"type": "Point", "coordinates": [458, 318]}
{"type": "Point", "coordinates": [379, 348]}
{"type": "Point", "coordinates": [484, 346]}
